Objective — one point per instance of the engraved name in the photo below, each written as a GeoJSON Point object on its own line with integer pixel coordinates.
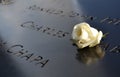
{"type": "Point", "coordinates": [44, 29]}
{"type": "Point", "coordinates": [18, 50]}
{"type": "Point", "coordinates": [72, 14]}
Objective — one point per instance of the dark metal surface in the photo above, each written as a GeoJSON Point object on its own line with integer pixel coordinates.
{"type": "Point", "coordinates": [35, 38]}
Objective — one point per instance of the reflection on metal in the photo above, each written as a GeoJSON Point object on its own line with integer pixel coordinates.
{"type": "Point", "coordinates": [90, 55]}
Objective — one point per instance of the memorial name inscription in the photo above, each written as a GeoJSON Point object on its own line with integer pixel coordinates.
{"type": "Point", "coordinates": [60, 33]}
{"type": "Point", "coordinates": [19, 51]}
{"type": "Point", "coordinates": [73, 14]}
{"type": "Point", "coordinates": [44, 29]}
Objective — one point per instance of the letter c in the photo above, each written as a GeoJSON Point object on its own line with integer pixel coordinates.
{"type": "Point", "coordinates": [9, 50]}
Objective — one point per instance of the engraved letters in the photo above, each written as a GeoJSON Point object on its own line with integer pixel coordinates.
{"type": "Point", "coordinates": [19, 51]}
{"type": "Point", "coordinates": [73, 14]}
{"type": "Point", "coordinates": [44, 29]}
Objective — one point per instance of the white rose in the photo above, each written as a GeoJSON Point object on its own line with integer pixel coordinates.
{"type": "Point", "coordinates": [84, 35]}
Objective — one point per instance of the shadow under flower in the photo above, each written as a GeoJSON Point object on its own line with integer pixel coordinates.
{"type": "Point", "coordinates": [90, 55]}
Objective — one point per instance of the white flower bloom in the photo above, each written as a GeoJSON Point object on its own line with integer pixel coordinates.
{"type": "Point", "coordinates": [84, 35]}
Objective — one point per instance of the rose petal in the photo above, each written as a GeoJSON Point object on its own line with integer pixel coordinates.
{"type": "Point", "coordinates": [84, 35]}
{"type": "Point", "coordinates": [98, 38]}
